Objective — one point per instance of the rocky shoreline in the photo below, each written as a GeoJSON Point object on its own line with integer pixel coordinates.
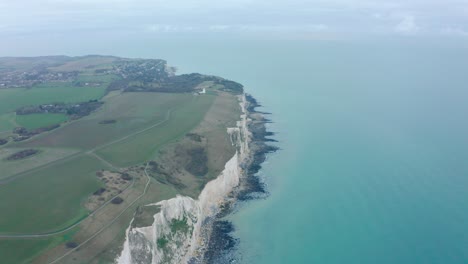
{"type": "Point", "coordinates": [195, 231]}
{"type": "Point", "coordinates": [222, 245]}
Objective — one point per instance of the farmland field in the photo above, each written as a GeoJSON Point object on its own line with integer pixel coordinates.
{"type": "Point", "coordinates": [49, 198]}
{"type": "Point", "coordinates": [14, 98]}
{"type": "Point", "coordinates": [34, 121]}
{"type": "Point", "coordinates": [143, 146]}
{"type": "Point", "coordinates": [131, 111]}
{"type": "Point", "coordinates": [47, 155]}
{"type": "Point", "coordinates": [7, 122]}
{"type": "Point", "coordinates": [29, 248]}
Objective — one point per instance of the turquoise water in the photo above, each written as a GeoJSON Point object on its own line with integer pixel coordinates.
{"type": "Point", "coordinates": [374, 138]}
{"type": "Point", "coordinates": [374, 160]}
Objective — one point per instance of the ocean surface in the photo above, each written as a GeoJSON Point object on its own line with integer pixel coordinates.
{"type": "Point", "coordinates": [373, 166]}
{"type": "Point", "coordinates": [374, 159]}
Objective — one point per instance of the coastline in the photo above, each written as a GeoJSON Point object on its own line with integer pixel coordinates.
{"type": "Point", "coordinates": [222, 246]}
{"type": "Point", "coordinates": [206, 236]}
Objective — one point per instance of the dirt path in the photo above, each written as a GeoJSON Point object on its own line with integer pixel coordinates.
{"type": "Point", "coordinates": [104, 161]}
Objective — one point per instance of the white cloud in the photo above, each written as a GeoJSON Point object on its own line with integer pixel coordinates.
{"type": "Point", "coordinates": [219, 28]}
{"type": "Point", "coordinates": [299, 16]}
{"type": "Point", "coordinates": [164, 28]}
{"type": "Point", "coordinates": [454, 31]}
{"type": "Point", "coordinates": [407, 25]}
{"type": "Point", "coordinates": [171, 28]}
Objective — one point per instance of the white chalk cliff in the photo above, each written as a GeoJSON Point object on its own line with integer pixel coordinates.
{"type": "Point", "coordinates": [179, 231]}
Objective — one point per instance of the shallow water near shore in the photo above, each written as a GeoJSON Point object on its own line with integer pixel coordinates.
{"type": "Point", "coordinates": [374, 144]}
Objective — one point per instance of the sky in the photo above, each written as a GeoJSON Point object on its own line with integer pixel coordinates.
{"type": "Point", "coordinates": [314, 17]}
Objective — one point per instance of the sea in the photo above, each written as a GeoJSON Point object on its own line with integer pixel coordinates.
{"type": "Point", "coordinates": [373, 138]}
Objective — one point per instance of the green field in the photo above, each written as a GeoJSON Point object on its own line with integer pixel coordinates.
{"type": "Point", "coordinates": [133, 112]}
{"type": "Point", "coordinates": [7, 122]}
{"type": "Point", "coordinates": [48, 198]}
{"type": "Point", "coordinates": [47, 155]}
{"type": "Point", "coordinates": [14, 98]}
{"type": "Point", "coordinates": [52, 195]}
{"type": "Point", "coordinates": [34, 121]}
{"type": "Point", "coordinates": [143, 146]}
{"type": "Point", "coordinates": [29, 248]}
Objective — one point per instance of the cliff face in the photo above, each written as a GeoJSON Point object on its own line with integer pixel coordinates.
{"type": "Point", "coordinates": [181, 230]}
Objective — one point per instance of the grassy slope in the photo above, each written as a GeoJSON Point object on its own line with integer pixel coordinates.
{"type": "Point", "coordinates": [21, 251]}
{"type": "Point", "coordinates": [9, 168]}
{"type": "Point", "coordinates": [49, 198]}
{"type": "Point", "coordinates": [7, 122]}
{"type": "Point", "coordinates": [132, 111]}
{"type": "Point", "coordinates": [143, 146]}
{"type": "Point", "coordinates": [9, 248]}
{"type": "Point", "coordinates": [34, 121]}
{"type": "Point", "coordinates": [90, 62]}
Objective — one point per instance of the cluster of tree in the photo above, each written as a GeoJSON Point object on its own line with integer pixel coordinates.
{"type": "Point", "coordinates": [117, 200]}
{"type": "Point", "coordinates": [151, 76]}
{"type": "Point", "coordinates": [22, 154]}
{"type": "Point", "coordinates": [125, 176]}
{"type": "Point", "coordinates": [83, 109]}
{"type": "Point", "coordinates": [107, 121]}
{"type": "Point", "coordinates": [230, 86]}
{"type": "Point", "coordinates": [73, 110]}
{"type": "Point", "coordinates": [184, 83]}
{"type": "Point", "coordinates": [24, 133]}
{"type": "Point", "coordinates": [99, 191]}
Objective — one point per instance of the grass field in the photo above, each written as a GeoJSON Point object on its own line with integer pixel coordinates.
{"type": "Point", "coordinates": [34, 121]}
{"type": "Point", "coordinates": [143, 146]}
{"type": "Point", "coordinates": [132, 112]}
{"type": "Point", "coordinates": [10, 253]}
{"type": "Point", "coordinates": [47, 155]}
{"type": "Point", "coordinates": [14, 98]}
{"type": "Point", "coordinates": [7, 122]}
{"type": "Point", "coordinates": [90, 62]}
{"type": "Point", "coordinates": [49, 198]}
